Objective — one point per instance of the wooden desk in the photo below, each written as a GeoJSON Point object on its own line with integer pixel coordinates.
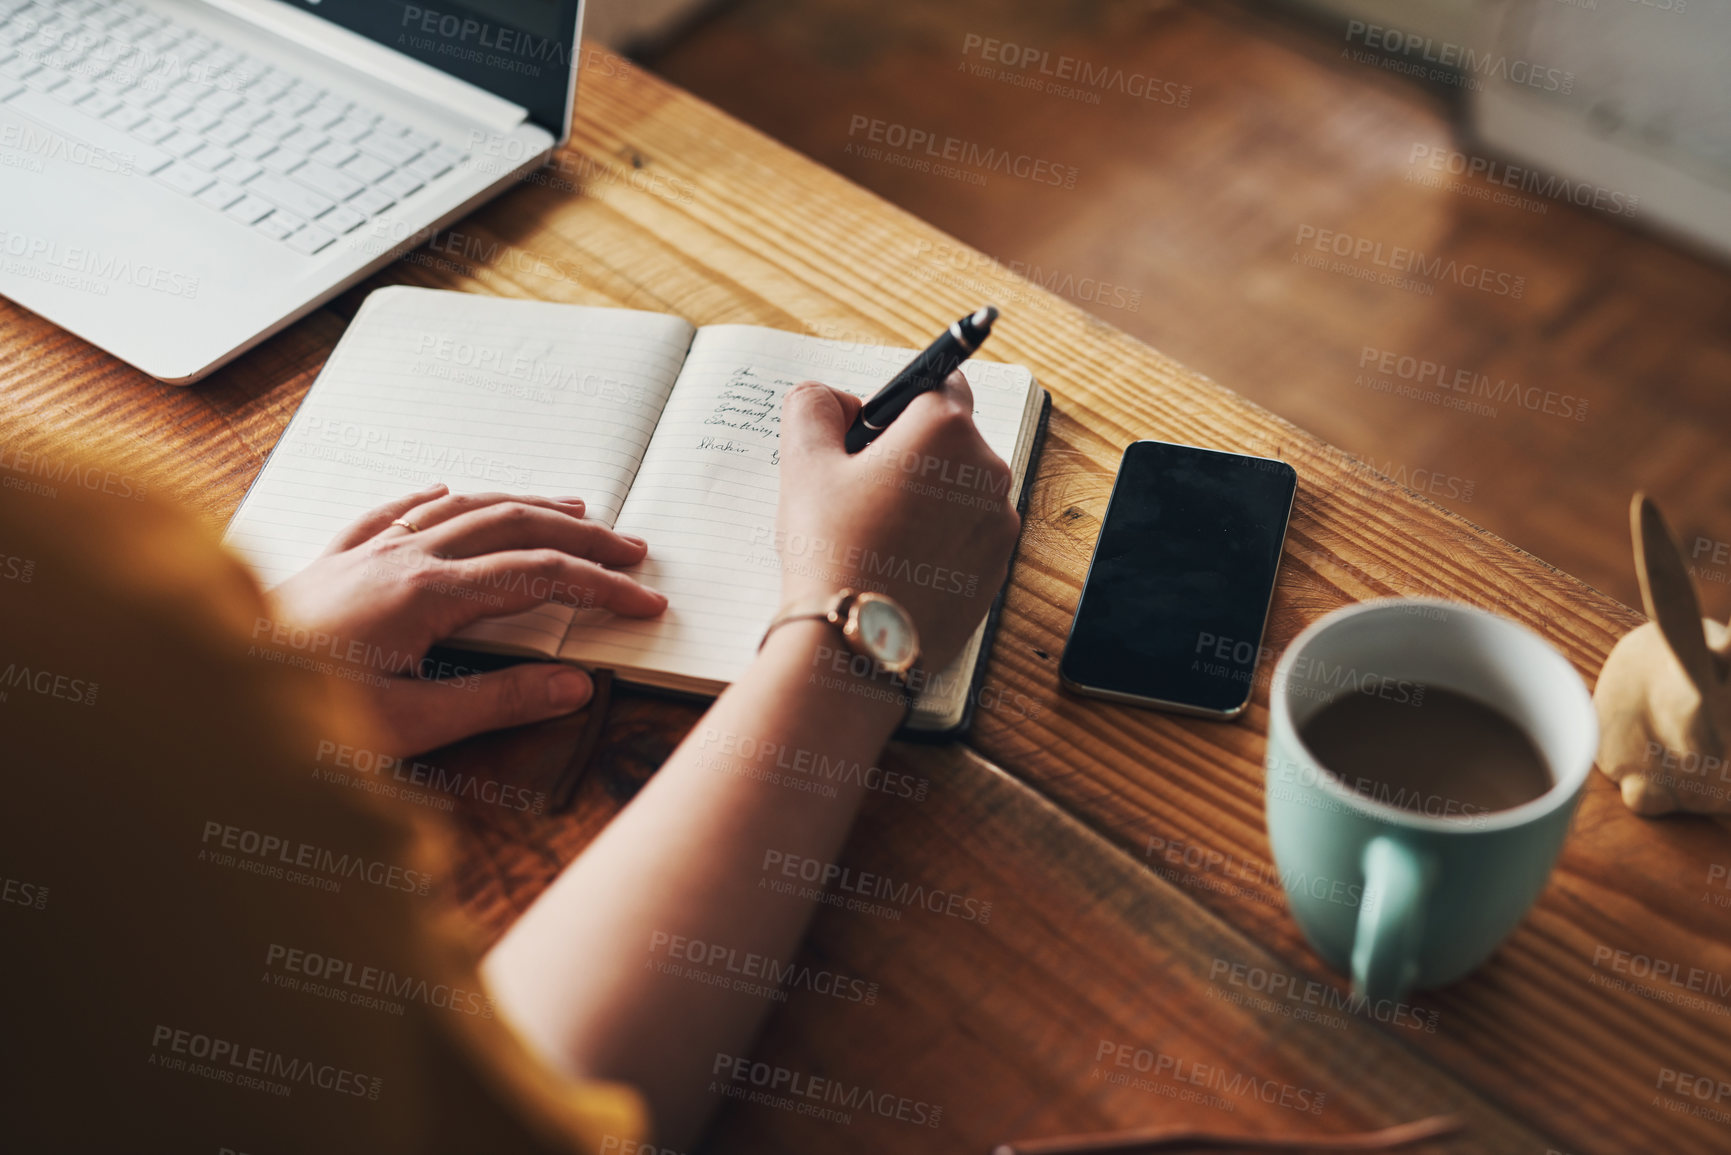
{"type": "Point", "coordinates": [1122, 851]}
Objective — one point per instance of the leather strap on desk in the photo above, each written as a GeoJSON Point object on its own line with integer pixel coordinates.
{"type": "Point", "coordinates": [1184, 1139]}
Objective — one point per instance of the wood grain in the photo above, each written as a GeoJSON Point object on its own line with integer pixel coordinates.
{"type": "Point", "coordinates": [674, 206]}
{"type": "Point", "coordinates": [1023, 1026]}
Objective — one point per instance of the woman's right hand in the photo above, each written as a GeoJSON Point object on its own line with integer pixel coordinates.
{"type": "Point", "coordinates": [923, 514]}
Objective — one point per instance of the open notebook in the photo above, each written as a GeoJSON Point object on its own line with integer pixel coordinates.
{"type": "Point", "coordinates": [668, 432]}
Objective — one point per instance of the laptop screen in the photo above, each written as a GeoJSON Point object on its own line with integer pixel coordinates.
{"type": "Point", "coordinates": [522, 50]}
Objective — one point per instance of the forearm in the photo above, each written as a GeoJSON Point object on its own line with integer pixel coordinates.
{"type": "Point", "coordinates": [686, 859]}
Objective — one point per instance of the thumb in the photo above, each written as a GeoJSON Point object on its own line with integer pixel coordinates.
{"type": "Point", "coordinates": [815, 418]}
{"type": "Point", "coordinates": [420, 716]}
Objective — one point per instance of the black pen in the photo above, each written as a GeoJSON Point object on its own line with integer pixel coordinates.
{"type": "Point", "coordinates": [925, 372]}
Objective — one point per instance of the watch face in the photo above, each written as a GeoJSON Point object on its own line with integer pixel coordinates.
{"type": "Point", "coordinates": [886, 632]}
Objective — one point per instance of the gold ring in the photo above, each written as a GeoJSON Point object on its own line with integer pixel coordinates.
{"type": "Point", "coordinates": [408, 525]}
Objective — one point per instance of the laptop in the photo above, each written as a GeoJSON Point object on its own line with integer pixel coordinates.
{"type": "Point", "coordinates": [179, 179]}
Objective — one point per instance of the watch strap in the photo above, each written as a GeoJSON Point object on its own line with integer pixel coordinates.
{"type": "Point", "coordinates": [834, 610]}
{"type": "Point", "coordinates": [831, 609]}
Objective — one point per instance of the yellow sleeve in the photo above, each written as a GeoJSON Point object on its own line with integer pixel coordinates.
{"type": "Point", "coordinates": [207, 945]}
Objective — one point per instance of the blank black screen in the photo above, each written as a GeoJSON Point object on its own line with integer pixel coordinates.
{"type": "Point", "coordinates": [522, 50]}
{"type": "Point", "coordinates": [1178, 591]}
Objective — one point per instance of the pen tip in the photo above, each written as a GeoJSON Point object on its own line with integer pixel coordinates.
{"type": "Point", "coordinates": [984, 316]}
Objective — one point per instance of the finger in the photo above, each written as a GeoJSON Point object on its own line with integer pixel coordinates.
{"type": "Point", "coordinates": [442, 509]}
{"type": "Point", "coordinates": [850, 405]}
{"type": "Point", "coordinates": [938, 417]}
{"type": "Point", "coordinates": [814, 418]}
{"type": "Point", "coordinates": [937, 437]}
{"type": "Point", "coordinates": [422, 716]}
{"type": "Point", "coordinates": [519, 525]}
{"type": "Point", "coordinates": [468, 589]}
{"type": "Point", "coordinates": [957, 389]}
{"type": "Point", "coordinates": [952, 398]}
{"type": "Point", "coordinates": [371, 522]}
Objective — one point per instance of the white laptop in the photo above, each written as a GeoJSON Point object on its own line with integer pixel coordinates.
{"type": "Point", "coordinates": [179, 179]}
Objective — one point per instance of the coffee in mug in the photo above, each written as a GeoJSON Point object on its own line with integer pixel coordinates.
{"type": "Point", "coordinates": [1425, 757]}
{"type": "Point", "coordinates": [1444, 750]}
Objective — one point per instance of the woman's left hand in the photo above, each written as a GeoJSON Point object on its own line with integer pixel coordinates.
{"type": "Point", "coordinates": [381, 595]}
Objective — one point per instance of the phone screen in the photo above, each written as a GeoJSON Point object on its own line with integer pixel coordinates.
{"type": "Point", "coordinates": [1177, 594]}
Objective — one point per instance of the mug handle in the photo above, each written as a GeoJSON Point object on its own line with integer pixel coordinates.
{"type": "Point", "coordinates": [1397, 883]}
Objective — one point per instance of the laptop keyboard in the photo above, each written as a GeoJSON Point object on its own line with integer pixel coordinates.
{"type": "Point", "coordinates": [300, 163]}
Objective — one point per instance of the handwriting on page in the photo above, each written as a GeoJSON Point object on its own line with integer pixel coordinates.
{"type": "Point", "coordinates": [748, 403]}
{"type": "Point", "coordinates": [722, 445]}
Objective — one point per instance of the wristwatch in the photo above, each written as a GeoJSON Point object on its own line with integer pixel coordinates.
{"type": "Point", "coordinates": [873, 625]}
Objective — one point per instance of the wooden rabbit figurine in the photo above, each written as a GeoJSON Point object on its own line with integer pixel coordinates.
{"type": "Point", "coordinates": [1664, 698]}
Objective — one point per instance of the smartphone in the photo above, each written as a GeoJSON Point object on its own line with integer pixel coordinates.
{"type": "Point", "coordinates": [1177, 595]}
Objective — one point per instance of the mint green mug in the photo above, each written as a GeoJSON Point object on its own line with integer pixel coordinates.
{"type": "Point", "coordinates": [1417, 898]}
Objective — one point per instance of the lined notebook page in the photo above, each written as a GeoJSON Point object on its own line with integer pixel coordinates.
{"type": "Point", "coordinates": [482, 393]}
{"type": "Point", "coordinates": [705, 497]}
